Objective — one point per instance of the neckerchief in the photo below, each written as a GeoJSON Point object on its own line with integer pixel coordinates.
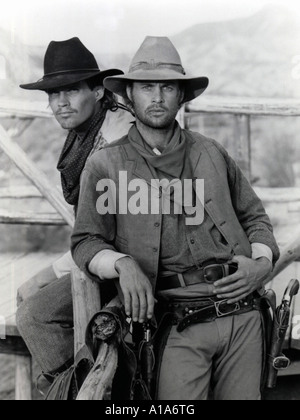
{"type": "Point", "coordinates": [172, 159]}
{"type": "Point", "coordinates": [75, 152]}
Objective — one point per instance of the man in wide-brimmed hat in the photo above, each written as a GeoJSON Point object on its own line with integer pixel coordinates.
{"type": "Point", "coordinates": [204, 273]}
{"type": "Point", "coordinates": [80, 104]}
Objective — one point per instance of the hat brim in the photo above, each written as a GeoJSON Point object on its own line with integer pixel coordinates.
{"type": "Point", "coordinates": [194, 86]}
{"type": "Point", "coordinates": [65, 79]}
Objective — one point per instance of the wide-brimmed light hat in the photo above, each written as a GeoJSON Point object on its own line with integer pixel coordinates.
{"type": "Point", "coordinates": [157, 60]}
{"type": "Point", "coordinates": [66, 63]}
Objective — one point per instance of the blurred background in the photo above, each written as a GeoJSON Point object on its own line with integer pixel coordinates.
{"type": "Point", "coordinates": [248, 49]}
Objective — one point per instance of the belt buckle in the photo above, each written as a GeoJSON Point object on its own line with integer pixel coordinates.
{"type": "Point", "coordinates": [221, 313]}
{"type": "Point", "coordinates": [213, 272]}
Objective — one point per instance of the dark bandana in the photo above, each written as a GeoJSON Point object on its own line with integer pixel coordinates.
{"type": "Point", "coordinates": [75, 152]}
{"type": "Point", "coordinates": [172, 161]}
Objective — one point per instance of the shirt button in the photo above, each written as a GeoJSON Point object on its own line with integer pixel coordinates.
{"type": "Point", "coordinates": [155, 250]}
{"type": "Point", "coordinates": [156, 224]}
{"type": "Point", "coordinates": [192, 241]}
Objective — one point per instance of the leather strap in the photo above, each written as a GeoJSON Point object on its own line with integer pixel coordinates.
{"type": "Point", "coordinates": [207, 310]}
{"type": "Point", "coordinates": [208, 274]}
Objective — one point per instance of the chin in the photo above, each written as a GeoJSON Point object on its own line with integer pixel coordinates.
{"type": "Point", "coordinates": [67, 125]}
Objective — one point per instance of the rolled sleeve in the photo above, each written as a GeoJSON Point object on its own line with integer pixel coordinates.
{"type": "Point", "coordinates": [261, 250]}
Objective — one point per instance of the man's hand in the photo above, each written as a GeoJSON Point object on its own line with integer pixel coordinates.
{"type": "Point", "coordinates": [249, 277]}
{"type": "Point", "coordinates": [137, 290]}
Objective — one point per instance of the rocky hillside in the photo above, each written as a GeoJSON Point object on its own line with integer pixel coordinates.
{"type": "Point", "coordinates": [246, 57]}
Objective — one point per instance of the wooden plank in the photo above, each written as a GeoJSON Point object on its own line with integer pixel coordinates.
{"type": "Point", "coordinates": [13, 345]}
{"type": "Point", "coordinates": [20, 192]}
{"type": "Point", "coordinates": [289, 254]}
{"type": "Point", "coordinates": [37, 177]}
{"type": "Point", "coordinates": [31, 218]}
{"type": "Point", "coordinates": [246, 106]}
{"type": "Point", "coordinates": [26, 109]}
{"type": "Point", "coordinates": [278, 195]}
{"type": "Point", "coordinates": [23, 378]}
{"type": "Point", "coordinates": [206, 103]}
{"type": "Point", "coordinates": [86, 303]}
{"type": "Point", "coordinates": [243, 144]}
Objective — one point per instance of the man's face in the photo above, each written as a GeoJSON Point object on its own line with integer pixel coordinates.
{"type": "Point", "coordinates": [156, 104]}
{"type": "Point", "coordinates": [73, 105]}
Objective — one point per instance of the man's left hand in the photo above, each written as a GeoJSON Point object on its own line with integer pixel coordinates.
{"type": "Point", "coordinates": [249, 277]}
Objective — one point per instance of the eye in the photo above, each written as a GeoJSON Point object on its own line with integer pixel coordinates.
{"type": "Point", "coordinates": [53, 95]}
{"type": "Point", "coordinates": [147, 88]}
{"type": "Point", "coordinates": [168, 88]}
{"type": "Point", "coordinates": [73, 90]}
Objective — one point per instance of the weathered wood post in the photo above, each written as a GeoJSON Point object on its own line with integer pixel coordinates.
{"type": "Point", "coordinates": [86, 303]}
{"type": "Point", "coordinates": [23, 378]}
{"type": "Point", "coordinates": [243, 143]}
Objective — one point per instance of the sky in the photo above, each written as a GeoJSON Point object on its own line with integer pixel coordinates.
{"type": "Point", "coordinates": [118, 25]}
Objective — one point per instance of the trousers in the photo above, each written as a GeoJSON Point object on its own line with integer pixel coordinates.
{"type": "Point", "coordinates": [45, 322]}
{"type": "Point", "coordinates": [223, 358]}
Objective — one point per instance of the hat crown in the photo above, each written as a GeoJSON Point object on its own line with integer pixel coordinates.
{"type": "Point", "coordinates": [66, 56]}
{"type": "Point", "coordinates": [156, 52]}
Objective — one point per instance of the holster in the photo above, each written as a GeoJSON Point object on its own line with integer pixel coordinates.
{"type": "Point", "coordinates": [265, 305]}
{"type": "Point", "coordinates": [149, 358]}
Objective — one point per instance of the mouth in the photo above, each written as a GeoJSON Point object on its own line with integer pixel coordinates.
{"type": "Point", "coordinates": [65, 114]}
{"type": "Point", "coordinates": [158, 111]}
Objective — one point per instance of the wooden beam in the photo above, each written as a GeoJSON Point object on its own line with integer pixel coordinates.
{"type": "Point", "coordinates": [31, 218]}
{"type": "Point", "coordinates": [13, 345]}
{"type": "Point", "coordinates": [86, 303]}
{"type": "Point", "coordinates": [37, 177]}
{"type": "Point", "coordinates": [243, 144]}
{"type": "Point", "coordinates": [24, 109]}
{"type": "Point", "coordinates": [289, 254]}
{"type": "Point", "coordinates": [20, 192]}
{"type": "Point", "coordinates": [246, 106]}
{"type": "Point", "coordinates": [23, 378]}
{"type": "Point", "coordinates": [278, 195]}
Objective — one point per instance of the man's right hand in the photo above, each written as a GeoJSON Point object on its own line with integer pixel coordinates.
{"type": "Point", "coordinates": [137, 290]}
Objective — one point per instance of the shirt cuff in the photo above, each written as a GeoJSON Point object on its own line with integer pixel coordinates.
{"type": "Point", "coordinates": [103, 264]}
{"type": "Point", "coordinates": [261, 250]}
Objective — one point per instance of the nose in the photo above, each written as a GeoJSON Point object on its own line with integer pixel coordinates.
{"type": "Point", "coordinates": [63, 99]}
{"type": "Point", "coordinates": [158, 96]}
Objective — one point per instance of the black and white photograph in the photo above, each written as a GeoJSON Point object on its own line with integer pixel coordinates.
{"type": "Point", "coordinates": [150, 202]}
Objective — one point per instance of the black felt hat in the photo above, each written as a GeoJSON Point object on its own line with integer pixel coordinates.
{"type": "Point", "coordinates": [66, 63]}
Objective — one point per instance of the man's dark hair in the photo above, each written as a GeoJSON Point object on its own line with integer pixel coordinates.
{"type": "Point", "coordinates": [109, 100]}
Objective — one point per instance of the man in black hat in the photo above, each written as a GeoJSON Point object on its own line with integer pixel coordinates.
{"type": "Point", "coordinates": [205, 272]}
{"type": "Point", "coordinates": [80, 104]}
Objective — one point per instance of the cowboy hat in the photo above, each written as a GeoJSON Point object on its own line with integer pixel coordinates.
{"type": "Point", "coordinates": [66, 63]}
{"type": "Point", "coordinates": [157, 60]}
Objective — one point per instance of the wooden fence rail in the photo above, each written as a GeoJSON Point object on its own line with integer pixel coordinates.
{"type": "Point", "coordinates": [245, 106]}
{"type": "Point", "coordinates": [37, 177]}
